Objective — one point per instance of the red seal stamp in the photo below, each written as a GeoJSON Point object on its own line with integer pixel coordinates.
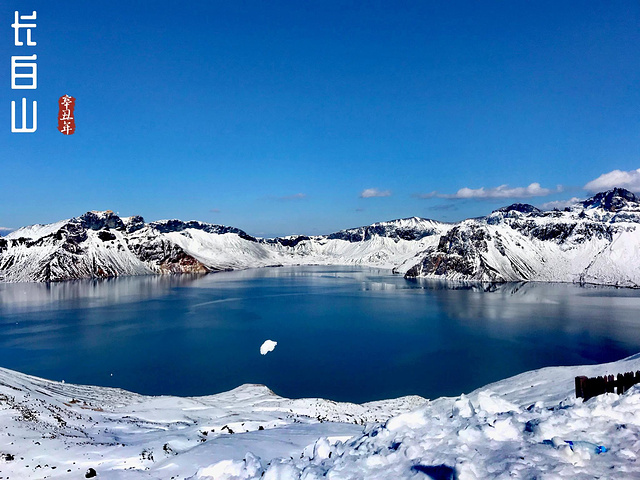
{"type": "Point", "coordinates": [66, 122]}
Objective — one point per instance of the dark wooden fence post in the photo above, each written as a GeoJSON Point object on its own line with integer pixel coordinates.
{"type": "Point", "coordinates": [590, 387]}
{"type": "Point", "coordinates": [610, 383]}
{"type": "Point", "coordinates": [581, 383]}
{"type": "Point", "coordinates": [629, 380]}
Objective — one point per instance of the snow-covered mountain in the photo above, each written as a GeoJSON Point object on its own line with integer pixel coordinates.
{"type": "Point", "coordinates": [595, 241]}
{"type": "Point", "coordinates": [102, 244]}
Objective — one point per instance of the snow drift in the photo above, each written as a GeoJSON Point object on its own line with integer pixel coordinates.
{"type": "Point", "coordinates": [516, 428]}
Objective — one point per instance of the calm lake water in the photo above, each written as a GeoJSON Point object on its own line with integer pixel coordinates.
{"type": "Point", "coordinates": [351, 334]}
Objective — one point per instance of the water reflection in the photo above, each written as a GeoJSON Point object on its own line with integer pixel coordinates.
{"type": "Point", "coordinates": [95, 292]}
{"type": "Point", "coordinates": [346, 333]}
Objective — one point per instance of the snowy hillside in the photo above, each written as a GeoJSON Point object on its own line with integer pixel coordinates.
{"type": "Point", "coordinates": [515, 428]}
{"type": "Point", "coordinates": [595, 241]}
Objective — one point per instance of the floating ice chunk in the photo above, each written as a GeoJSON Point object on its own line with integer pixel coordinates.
{"type": "Point", "coordinates": [267, 347]}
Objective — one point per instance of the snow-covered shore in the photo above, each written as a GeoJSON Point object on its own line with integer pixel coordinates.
{"type": "Point", "coordinates": [56, 430]}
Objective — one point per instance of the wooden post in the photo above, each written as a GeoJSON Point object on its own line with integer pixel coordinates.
{"type": "Point", "coordinates": [581, 383]}
{"type": "Point", "coordinates": [620, 384]}
{"type": "Point", "coordinates": [611, 383]}
{"type": "Point", "coordinates": [629, 380]}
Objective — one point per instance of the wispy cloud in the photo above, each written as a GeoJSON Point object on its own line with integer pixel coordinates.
{"type": "Point", "coordinates": [295, 196]}
{"type": "Point", "coordinates": [560, 204]}
{"type": "Point", "coordinates": [502, 191]}
{"type": "Point", "coordinates": [444, 207]}
{"type": "Point", "coordinates": [214, 210]}
{"type": "Point", "coordinates": [6, 229]}
{"type": "Point", "coordinates": [616, 178]}
{"type": "Point", "coordinates": [374, 192]}
{"type": "Point", "coordinates": [426, 195]}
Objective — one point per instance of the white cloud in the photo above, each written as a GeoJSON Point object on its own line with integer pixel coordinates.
{"type": "Point", "coordinates": [374, 192]}
{"type": "Point", "coordinates": [295, 196]}
{"type": "Point", "coordinates": [6, 229]}
{"type": "Point", "coordinates": [617, 178]}
{"type": "Point", "coordinates": [503, 191]}
{"type": "Point", "coordinates": [560, 204]}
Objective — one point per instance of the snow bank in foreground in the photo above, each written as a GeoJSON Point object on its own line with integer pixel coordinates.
{"type": "Point", "coordinates": [515, 428]}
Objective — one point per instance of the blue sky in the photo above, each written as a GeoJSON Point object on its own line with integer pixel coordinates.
{"type": "Point", "coordinates": [308, 117]}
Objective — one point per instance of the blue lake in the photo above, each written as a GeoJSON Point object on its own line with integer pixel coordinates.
{"type": "Point", "coordinates": [343, 333]}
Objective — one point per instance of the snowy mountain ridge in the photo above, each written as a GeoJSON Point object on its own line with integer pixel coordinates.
{"type": "Point", "coordinates": [595, 241]}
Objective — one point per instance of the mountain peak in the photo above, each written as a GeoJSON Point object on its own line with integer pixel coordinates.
{"type": "Point", "coordinates": [97, 220]}
{"type": "Point", "coordinates": [611, 200]}
{"type": "Point", "coordinates": [519, 207]}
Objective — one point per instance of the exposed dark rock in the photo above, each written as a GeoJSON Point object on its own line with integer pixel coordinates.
{"type": "Point", "coordinates": [168, 256]}
{"type": "Point", "coordinates": [100, 220]}
{"type": "Point", "coordinates": [458, 252]}
{"type": "Point", "coordinates": [18, 241]}
{"type": "Point", "coordinates": [106, 235]}
{"type": "Point", "coordinates": [557, 231]}
{"type": "Point", "coordinates": [612, 200]}
{"type": "Point", "coordinates": [386, 229]}
{"type": "Point", "coordinates": [288, 241]}
{"type": "Point", "coordinates": [134, 224]}
{"type": "Point", "coordinates": [519, 207]}
{"type": "Point", "coordinates": [72, 232]}
{"type": "Point", "coordinates": [462, 240]}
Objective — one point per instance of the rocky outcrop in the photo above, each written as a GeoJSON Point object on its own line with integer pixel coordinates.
{"type": "Point", "coordinates": [595, 241]}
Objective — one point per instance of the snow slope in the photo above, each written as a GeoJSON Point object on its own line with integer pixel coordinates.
{"type": "Point", "coordinates": [515, 428]}
{"type": "Point", "coordinates": [53, 429]}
